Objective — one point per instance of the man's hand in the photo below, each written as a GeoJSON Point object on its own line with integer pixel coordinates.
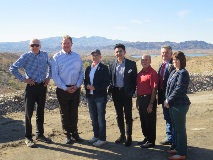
{"type": "Point", "coordinates": [149, 108]}
{"type": "Point", "coordinates": [71, 89]}
{"type": "Point", "coordinates": [46, 82]}
{"type": "Point", "coordinates": [29, 81]}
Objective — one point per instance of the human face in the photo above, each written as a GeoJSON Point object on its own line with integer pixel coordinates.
{"type": "Point", "coordinates": [145, 61]}
{"type": "Point", "coordinates": [95, 58]}
{"type": "Point", "coordinates": [119, 54]}
{"type": "Point", "coordinates": [66, 45]}
{"type": "Point", "coordinates": [176, 63]}
{"type": "Point", "coordinates": [166, 54]}
{"type": "Point", "coordinates": [35, 46]}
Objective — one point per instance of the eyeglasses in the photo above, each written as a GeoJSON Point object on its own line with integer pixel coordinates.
{"type": "Point", "coordinates": [34, 45]}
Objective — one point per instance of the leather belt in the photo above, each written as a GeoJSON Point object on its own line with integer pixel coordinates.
{"type": "Point", "coordinates": [36, 83]}
{"type": "Point", "coordinates": [69, 85]}
{"type": "Point", "coordinates": [144, 95]}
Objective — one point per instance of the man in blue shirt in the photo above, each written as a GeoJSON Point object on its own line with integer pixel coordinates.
{"type": "Point", "coordinates": [68, 74]}
{"type": "Point", "coordinates": [37, 76]}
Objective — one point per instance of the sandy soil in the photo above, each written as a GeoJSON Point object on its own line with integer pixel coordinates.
{"type": "Point", "coordinates": [199, 130]}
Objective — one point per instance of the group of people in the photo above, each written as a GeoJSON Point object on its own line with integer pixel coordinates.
{"type": "Point", "coordinates": [121, 80]}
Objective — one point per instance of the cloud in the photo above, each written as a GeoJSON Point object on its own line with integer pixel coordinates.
{"type": "Point", "coordinates": [183, 13]}
{"type": "Point", "coordinates": [210, 19]}
{"type": "Point", "coordinates": [121, 27]}
{"type": "Point", "coordinates": [136, 21]}
{"type": "Point", "coordinates": [147, 20]}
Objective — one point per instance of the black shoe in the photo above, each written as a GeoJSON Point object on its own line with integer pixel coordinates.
{"type": "Point", "coordinates": [121, 139]}
{"type": "Point", "coordinates": [142, 142]}
{"type": "Point", "coordinates": [43, 139]}
{"type": "Point", "coordinates": [76, 137]}
{"type": "Point", "coordinates": [68, 141]}
{"type": "Point", "coordinates": [165, 143]}
{"type": "Point", "coordinates": [128, 141]}
{"type": "Point", "coordinates": [147, 145]}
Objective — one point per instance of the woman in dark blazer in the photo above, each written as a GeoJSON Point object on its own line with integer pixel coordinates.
{"type": "Point", "coordinates": [178, 103]}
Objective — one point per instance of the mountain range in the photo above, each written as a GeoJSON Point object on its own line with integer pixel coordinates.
{"type": "Point", "coordinates": [84, 45]}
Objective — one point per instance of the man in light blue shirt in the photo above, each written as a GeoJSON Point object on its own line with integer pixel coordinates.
{"type": "Point", "coordinates": [68, 74]}
{"type": "Point", "coordinates": [37, 76]}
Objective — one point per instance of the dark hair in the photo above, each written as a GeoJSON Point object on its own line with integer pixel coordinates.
{"type": "Point", "coordinates": [119, 46]}
{"type": "Point", "coordinates": [180, 55]}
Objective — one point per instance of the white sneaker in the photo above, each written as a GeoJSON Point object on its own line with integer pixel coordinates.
{"type": "Point", "coordinates": [93, 140]}
{"type": "Point", "coordinates": [99, 143]}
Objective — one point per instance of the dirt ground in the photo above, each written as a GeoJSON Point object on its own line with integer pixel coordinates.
{"type": "Point", "coordinates": [199, 132]}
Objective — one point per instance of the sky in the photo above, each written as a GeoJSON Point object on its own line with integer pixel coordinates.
{"type": "Point", "coordinates": [128, 20]}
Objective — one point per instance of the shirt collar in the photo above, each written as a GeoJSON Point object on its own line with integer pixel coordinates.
{"type": "Point", "coordinates": [147, 70]}
{"type": "Point", "coordinates": [66, 52]}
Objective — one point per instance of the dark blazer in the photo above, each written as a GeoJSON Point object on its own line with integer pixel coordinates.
{"type": "Point", "coordinates": [100, 81]}
{"type": "Point", "coordinates": [130, 75]}
{"type": "Point", "coordinates": [161, 93]}
{"type": "Point", "coordinates": [177, 86]}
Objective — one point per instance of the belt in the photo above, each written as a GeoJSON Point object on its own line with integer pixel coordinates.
{"type": "Point", "coordinates": [42, 83]}
{"type": "Point", "coordinates": [119, 88]}
{"type": "Point", "coordinates": [144, 95]}
{"type": "Point", "coordinates": [69, 85]}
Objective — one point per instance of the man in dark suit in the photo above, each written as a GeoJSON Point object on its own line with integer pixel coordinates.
{"type": "Point", "coordinates": [96, 82]}
{"type": "Point", "coordinates": [164, 71]}
{"type": "Point", "coordinates": [123, 73]}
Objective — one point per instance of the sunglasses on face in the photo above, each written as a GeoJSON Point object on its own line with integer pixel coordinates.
{"type": "Point", "coordinates": [34, 45]}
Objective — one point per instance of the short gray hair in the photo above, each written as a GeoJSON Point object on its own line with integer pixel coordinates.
{"type": "Point", "coordinates": [66, 37]}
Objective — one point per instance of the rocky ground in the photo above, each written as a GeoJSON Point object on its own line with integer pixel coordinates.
{"type": "Point", "coordinates": [199, 130]}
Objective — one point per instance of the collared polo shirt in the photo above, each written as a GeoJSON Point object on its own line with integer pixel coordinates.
{"type": "Point", "coordinates": [147, 81]}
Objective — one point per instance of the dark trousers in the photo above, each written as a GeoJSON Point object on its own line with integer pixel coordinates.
{"type": "Point", "coordinates": [34, 94]}
{"type": "Point", "coordinates": [123, 104]}
{"type": "Point", "coordinates": [69, 103]}
{"type": "Point", "coordinates": [148, 120]}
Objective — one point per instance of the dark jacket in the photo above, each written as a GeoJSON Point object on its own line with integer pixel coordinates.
{"type": "Point", "coordinates": [130, 75]}
{"type": "Point", "coordinates": [100, 81]}
{"type": "Point", "coordinates": [161, 92]}
{"type": "Point", "coordinates": [177, 86]}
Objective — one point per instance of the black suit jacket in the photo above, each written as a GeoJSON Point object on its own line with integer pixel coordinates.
{"type": "Point", "coordinates": [161, 93]}
{"type": "Point", "coordinates": [100, 81]}
{"type": "Point", "coordinates": [130, 75]}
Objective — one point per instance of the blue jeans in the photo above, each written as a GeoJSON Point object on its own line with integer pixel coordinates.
{"type": "Point", "coordinates": [169, 130]}
{"type": "Point", "coordinates": [97, 110]}
{"type": "Point", "coordinates": [178, 116]}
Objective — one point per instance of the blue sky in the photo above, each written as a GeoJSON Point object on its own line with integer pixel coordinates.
{"type": "Point", "coordinates": [129, 20]}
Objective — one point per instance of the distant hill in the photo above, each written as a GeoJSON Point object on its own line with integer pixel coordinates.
{"type": "Point", "coordinates": [84, 45]}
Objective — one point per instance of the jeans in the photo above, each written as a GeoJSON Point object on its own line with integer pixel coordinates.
{"type": "Point", "coordinates": [178, 116]}
{"type": "Point", "coordinates": [167, 118]}
{"type": "Point", "coordinates": [97, 110]}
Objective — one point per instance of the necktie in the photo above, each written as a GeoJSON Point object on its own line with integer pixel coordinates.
{"type": "Point", "coordinates": [161, 74]}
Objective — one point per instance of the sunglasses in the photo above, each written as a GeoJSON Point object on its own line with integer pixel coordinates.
{"type": "Point", "coordinates": [34, 45]}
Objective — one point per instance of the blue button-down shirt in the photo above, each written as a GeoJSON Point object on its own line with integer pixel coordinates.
{"type": "Point", "coordinates": [120, 68]}
{"type": "Point", "coordinates": [67, 69]}
{"type": "Point", "coordinates": [36, 66]}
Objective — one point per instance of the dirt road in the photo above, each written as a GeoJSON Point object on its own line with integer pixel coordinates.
{"type": "Point", "coordinates": [199, 130]}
